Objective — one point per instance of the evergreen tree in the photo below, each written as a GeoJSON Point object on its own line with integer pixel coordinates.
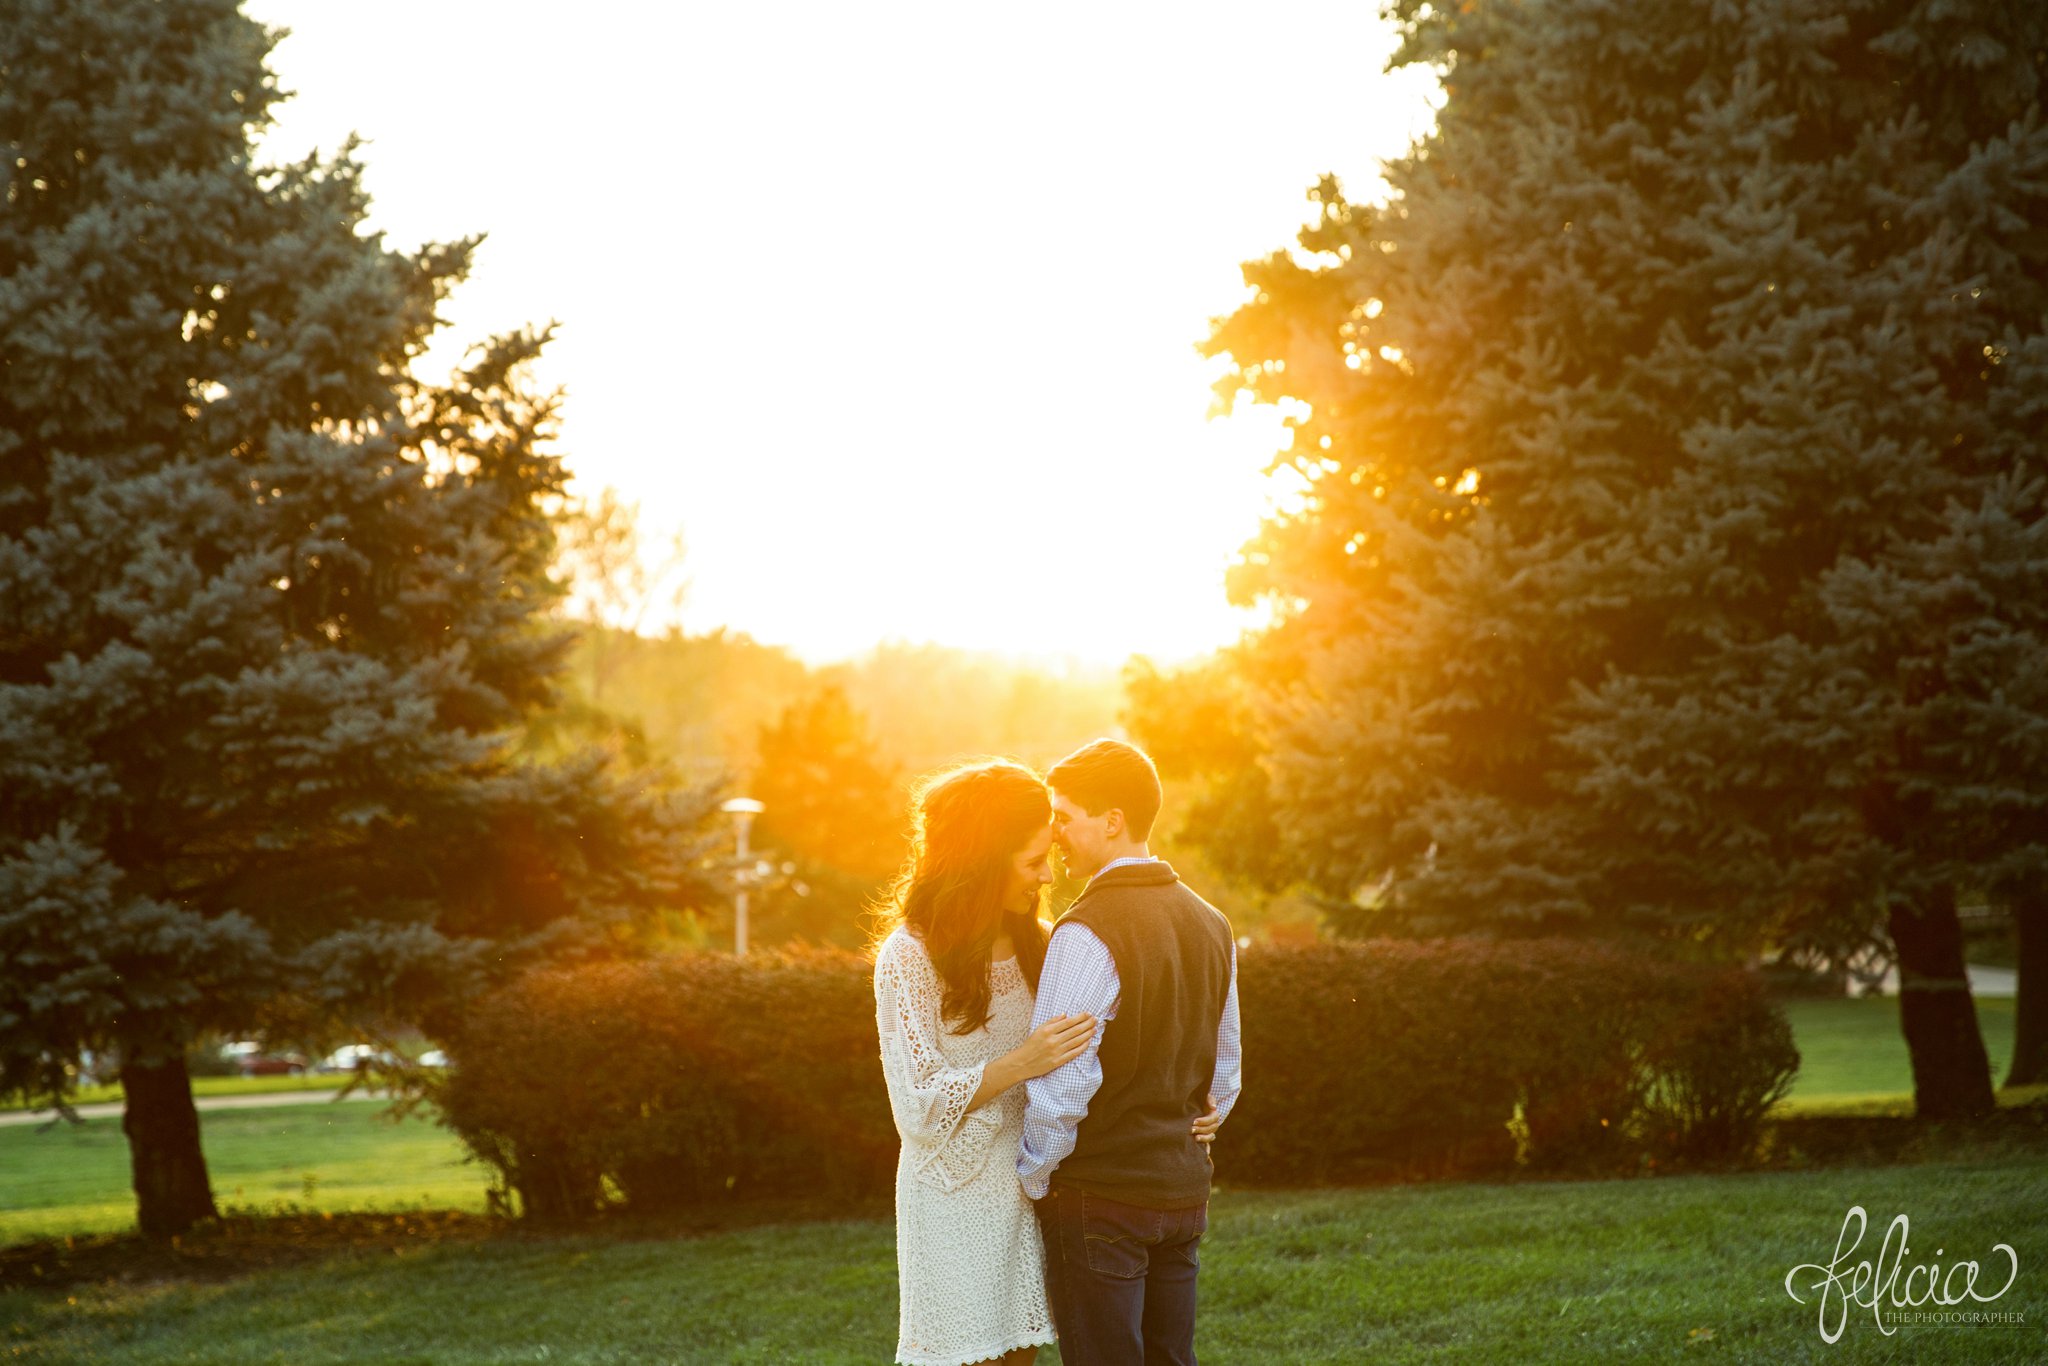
{"type": "Point", "coordinates": [272, 609]}
{"type": "Point", "coordinates": [1635, 422]}
{"type": "Point", "coordinates": [1197, 722]}
{"type": "Point", "coordinates": [1971, 709]}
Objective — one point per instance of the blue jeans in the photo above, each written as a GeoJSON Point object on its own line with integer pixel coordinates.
{"type": "Point", "coordinates": [1121, 1278]}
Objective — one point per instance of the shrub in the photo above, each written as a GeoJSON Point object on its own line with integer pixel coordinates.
{"type": "Point", "coordinates": [1366, 1060]}
{"type": "Point", "coordinates": [1404, 1058]}
{"type": "Point", "coordinates": [675, 1080]}
{"type": "Point", "coordinates": [1717, 1070]}
{"type": "Point", "coordinates": [670, 1082]}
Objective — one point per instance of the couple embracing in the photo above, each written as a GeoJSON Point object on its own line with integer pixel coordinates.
{"type": "Point", "coordinates": [1056, 1091]}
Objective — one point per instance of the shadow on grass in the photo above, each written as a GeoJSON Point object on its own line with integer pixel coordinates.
{"type": "Point", "coordinates": [247, 1239]}
{"type": "Point", "coordinates": [1885, 1132]}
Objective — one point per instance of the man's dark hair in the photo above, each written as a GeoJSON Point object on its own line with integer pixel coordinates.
{"type": "Point", "coordinates": [1109, 773]}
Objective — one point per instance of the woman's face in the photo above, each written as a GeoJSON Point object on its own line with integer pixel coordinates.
{"type": "Point", "coordinates": [1030, 873]}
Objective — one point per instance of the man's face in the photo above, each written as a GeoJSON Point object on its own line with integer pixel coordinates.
{"type": "Point", "coordinates": [1083, 839]}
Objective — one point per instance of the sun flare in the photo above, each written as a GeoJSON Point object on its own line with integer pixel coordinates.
{"type": "Point", "coordinates": [900, 341]}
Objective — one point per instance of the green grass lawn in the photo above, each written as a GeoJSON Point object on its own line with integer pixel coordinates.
{"type": "Point", "coordinates": [1644, 1270]}
{"type": "Point", "coordinates": [321, 1155]}
{"type": "Point", "coordinates": [208, 1086]}
{"type": "Point", "coordinates": [1851, 1050]}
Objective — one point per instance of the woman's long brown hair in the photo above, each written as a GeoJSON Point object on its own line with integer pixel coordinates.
{"type": "Point", "coordinates": [968, 823]}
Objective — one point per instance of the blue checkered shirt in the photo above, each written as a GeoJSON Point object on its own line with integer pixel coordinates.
{"type": "Point", "coordinates": [1079, 978]}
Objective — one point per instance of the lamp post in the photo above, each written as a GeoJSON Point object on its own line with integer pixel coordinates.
{"type": "Point", "coordinates": [742, 810]}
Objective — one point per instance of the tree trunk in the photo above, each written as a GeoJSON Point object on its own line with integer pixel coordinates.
{"type": "Point", "coordinates": [1951, 1069]}
{"type": "Point", "coordinates": [172, 1191]}
{"type": "Point", "coordinates": [2030, 1011]}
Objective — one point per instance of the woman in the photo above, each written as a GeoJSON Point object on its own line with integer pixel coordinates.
{"type": "Point", "coordinates": [955, 968]}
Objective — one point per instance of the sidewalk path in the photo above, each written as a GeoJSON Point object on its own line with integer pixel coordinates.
{"type": "Point", "coordinates": [1983, 981]}
{"type": "Point", "coordinates": [112, 1108]}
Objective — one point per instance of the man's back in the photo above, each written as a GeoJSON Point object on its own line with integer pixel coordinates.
{"type": "Point", "coordinates": [1172, 952]}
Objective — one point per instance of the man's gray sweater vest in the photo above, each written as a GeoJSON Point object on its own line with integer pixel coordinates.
{"type": "Point", "coordinates": [1172, 953]}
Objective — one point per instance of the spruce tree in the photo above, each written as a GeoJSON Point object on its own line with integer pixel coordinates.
{"type": "Point", "coordinates": [1634, 423]}
{"type": "Point", "coordinates": [1972, 695]}
{"type": "Point", "coordinates": [273, 610]}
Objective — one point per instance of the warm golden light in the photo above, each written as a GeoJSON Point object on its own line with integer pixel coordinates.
{"type": "Point", "coordinates": [854, 294]}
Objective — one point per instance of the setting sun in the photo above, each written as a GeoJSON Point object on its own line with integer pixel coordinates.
{"type": "Point", "coordinates": [892, 313]}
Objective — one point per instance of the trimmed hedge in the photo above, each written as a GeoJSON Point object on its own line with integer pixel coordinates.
{"type": "Point", "coordinates": [670, 1082]}
{"type": "Point", "coordinates": [1402, 1058]}
{"type": "Point", "coordinates": [664, 1083]}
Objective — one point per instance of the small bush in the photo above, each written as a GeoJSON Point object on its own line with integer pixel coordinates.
{"type": "Point", "coordinates": [1717, 1069]}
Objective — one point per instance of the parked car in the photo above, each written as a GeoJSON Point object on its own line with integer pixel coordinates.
{"type": "Point", "coordinates": [355, 1057]}
{"type": "Point", "coordinates": [433, 1057]}
{"type": "Point", "coordinates": [252, 1059]}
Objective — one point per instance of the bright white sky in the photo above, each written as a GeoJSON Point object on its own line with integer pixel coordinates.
{"type": "Point", "coordinates": [890, 308]}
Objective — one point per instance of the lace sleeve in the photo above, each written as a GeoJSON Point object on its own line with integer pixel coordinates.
{"type": "Point", "coordinates": [928, 1098]}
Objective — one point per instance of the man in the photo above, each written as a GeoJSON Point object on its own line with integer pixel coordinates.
{"type": "Point", "coordinates": [1114, 1154]}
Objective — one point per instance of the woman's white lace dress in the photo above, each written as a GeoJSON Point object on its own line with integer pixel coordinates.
{"type": "Point", "coordinates": [970, 1265]}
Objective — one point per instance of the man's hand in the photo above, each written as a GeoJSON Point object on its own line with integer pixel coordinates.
{"type": "Point", "coordinates": [1206, 1126]}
